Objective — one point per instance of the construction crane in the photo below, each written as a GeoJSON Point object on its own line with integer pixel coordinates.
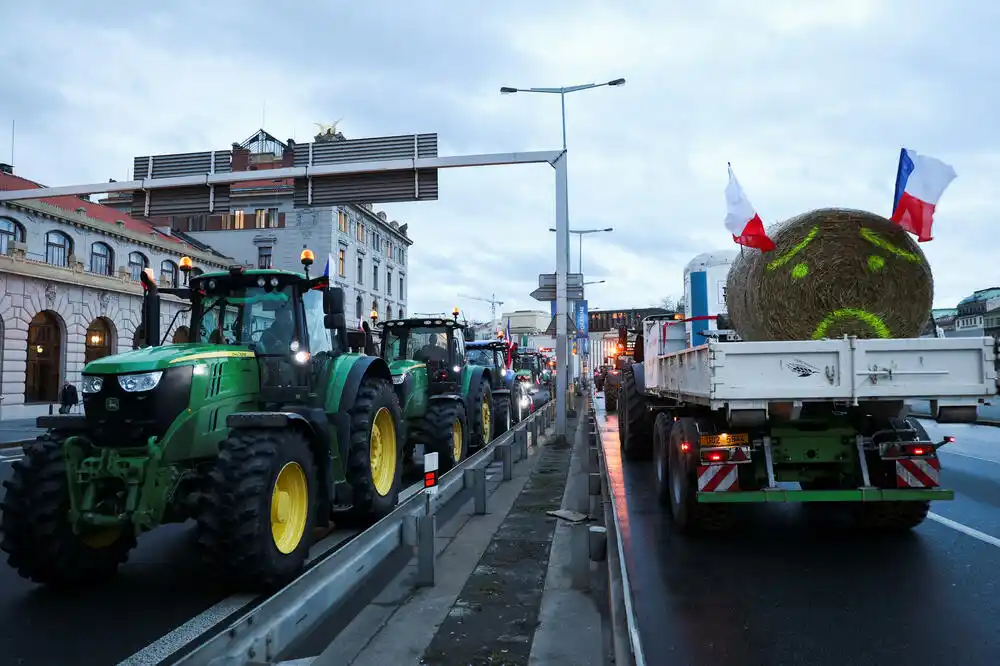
{"type": "Point", "coordinates": [492, 300]}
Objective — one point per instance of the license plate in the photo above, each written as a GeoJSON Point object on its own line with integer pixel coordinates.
{"type": "Point", "coordinates": [725, 439]}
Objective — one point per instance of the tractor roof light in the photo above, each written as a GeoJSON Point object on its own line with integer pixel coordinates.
{"type": "Point", "coordinates": [186, 264]}
{"type": "Point", "coordinates": [454, 312]}
{"type": "Point", "coordinates": [373, 315]}
{"type": "Point", "coordinates": [307, 257]}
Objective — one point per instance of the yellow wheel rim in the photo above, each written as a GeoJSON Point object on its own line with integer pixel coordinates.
{"type": "Point", "coordinates": [289, 507]}
{"type": "Point", "coordinates": [457, 435]}
{"type": "Point", "coordinates": [102, 538]}
{"type": "Point", "coordinates": [487, 421]}
{"type": "Point", "coordinates": [382, 451]}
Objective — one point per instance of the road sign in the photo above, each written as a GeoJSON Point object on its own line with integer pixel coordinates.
{"type": "Point", "coordinates": [570, 326]}
{"type": "Point", "coordinates": [582, 320]}
{"type": "Point", "coordinates": [547, 280]}
{"type": "Point", "coordinates": [549, 293]}
{"type": "Point", "coordinates": [373, 186]}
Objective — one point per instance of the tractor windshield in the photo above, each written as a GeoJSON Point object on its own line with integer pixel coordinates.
{"type": "Point", "coordinates": [243, 316]}
{"type": "Point", "coordinates": [480, 356]}
{"type": "Point", "coordinates": [417, 343]}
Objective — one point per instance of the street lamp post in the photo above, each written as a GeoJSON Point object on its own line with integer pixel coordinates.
{"type": "Point", "coordinates": [581, 233]}
{"type": "Point", "coordinates": [562, 243]}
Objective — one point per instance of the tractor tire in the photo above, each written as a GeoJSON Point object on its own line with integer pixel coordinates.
{"type": "Point", "coordinates": [446, 433]}
{"type": "Point", "coordinates": [375, 492]}
{"type": "Point", "coordinates": [482, 417]}
{"type": "Point", "coordinates": [661, 457]}
{"type": "Point", "coordinates": [689, 516]}
{"type": "Point", "coordinates": [633, 428]}
{"type": "Point", "coordinates": [37, 535]}
{"type": "Point", "coordinates": [502, 414]}
{"type": "Point", "coordinates": [611, 400]}
{"type": "Point", "coordinates": [255, 524]}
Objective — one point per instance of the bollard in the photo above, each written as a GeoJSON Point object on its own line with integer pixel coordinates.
{"type": "Point", "coordinates": [521, 439]}
{"type": "Point", "coordinates": [475, 479]}
{"type": "Point", "coordinates": [593, 459]}
{"type": "Point", "coordinates": [597, 542]}
{"type": "Point", "coordinates": [506, 457]}
{"type": "Point", "coordinates": [425, 551]}
{"type": "Point", "coordinates": [579, 556]}
{"type": "Point", "coordinates": [594, 483]}
{"type": "Point", "coordinates": [535, 431]}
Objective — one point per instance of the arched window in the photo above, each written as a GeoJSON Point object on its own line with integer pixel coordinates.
{"type": "Point", "coordinates": [10, 231]}
{"type": "Point", "coordinates": [58, 247]}
{"type": "Point", "coordinates": [44, 358]}
{"type": "Point", "coordinates": [358, 308]}
{"type": "Point", "coordinates": [99, 339]}
{"type": "Point", "coordinates": [388, 312]}
{"type": "Point", "coordinates": [102, 259]}
{"type": "Point", "coordinates": [137, 262]}
{"type": "Point", "coordinates": [168, 274]}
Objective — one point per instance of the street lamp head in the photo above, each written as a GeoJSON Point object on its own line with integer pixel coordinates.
{"type": "Point", "coordinates": [609, 229]}
{"type": "Point", "coordinates": [617, 82]}
{"type": "Point", "coordinates": [551, 229]}
{"type": "Point", "coordinates": [506, 90]}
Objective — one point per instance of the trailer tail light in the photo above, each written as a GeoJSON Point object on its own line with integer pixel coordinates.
{"type": "Point", "coordinates": [685, 447]}
{"type": "Point", "coordinates": [728, 454]}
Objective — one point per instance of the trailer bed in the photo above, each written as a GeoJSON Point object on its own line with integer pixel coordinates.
{"type": "Point", "coordinates": [748, 375]}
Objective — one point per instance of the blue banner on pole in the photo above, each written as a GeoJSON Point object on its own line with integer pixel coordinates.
{"type": "Point", "coordinates": [582, 319]}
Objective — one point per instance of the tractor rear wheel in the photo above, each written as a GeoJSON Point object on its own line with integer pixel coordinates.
{"type": "Point", "coordinates": [37, 535]}
{"type": "Point", "coordinates": [446, 433]}
{"type": "Point", "coordinates": [482, 416]}
{"type": "Point", "coordinates": [633, 428]}
{"type": "Point", "coordinates": [375, 456]}
{"type": "Point", "coordinates": [260, 506]}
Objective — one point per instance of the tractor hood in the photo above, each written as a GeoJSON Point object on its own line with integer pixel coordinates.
{"type": "Point", "coordinates": [402, 367]}
{"type": "Point", "coordinates": [163, 357]}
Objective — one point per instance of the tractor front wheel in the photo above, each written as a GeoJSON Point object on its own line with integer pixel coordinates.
{"type": "Point", "coordinates": [37, 535]}
{"type": "Point", "coordinates": [255, 525]}
{"type": "Point", "coordinates": [502, 414]}
{"type": "Point", "coordinates": [375, 457]}
{"type": "Point", "coordinates": [446, 433]}
{"type": "Point", "coordinates": [482, 415]}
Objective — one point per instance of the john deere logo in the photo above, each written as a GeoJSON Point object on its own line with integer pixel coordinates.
{"type": "Point", "coordinates": [111, 404]}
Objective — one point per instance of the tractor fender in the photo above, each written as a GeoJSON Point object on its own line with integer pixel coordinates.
{"type": "Point", "coordinates": [639, 372]}
{"type": "Point", "coordinates": [476, 377]}
{"type": "Point", "coordinates": [364, 367]}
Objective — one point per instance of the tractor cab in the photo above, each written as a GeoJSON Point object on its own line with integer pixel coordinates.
{"type": "Point", "coordinates": [439, 344]}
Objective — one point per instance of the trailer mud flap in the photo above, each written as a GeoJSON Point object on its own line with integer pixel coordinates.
{"type": "Point", "coordinates": [918, 473]}
{"type": "Point", "coordinates": [718, 478]}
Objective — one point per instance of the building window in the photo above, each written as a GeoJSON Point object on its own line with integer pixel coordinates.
{"type": "Point", "coordinates": [358, 314]}
{"type": "Point", "coordinates": [388, 312]}
{"type": "Point", "coordinates": [233, 220]}
{"type": "Point", "coordinates": [101, 259]}
{"type": "Point", "coordinates": [388, 281]}
{"type": "Point", "coordinates": [359, 232]}
{"type": "Point", "coordinates": [137, 262]}
{"type": "Point", "coordinates": [361, 270]}
{"type": "Point", "coordinates": [374, 276]}
{"type": "Point", "coordinates": [44, 359]}
{"type": "Point", "coordinates": [341, 262]}
{"type": "Point", "coordinates": [10, 231]}
{"type": "Point", "coordinates": [168, 274]}
{"type": "Point", "coordinates": [401, 292]}
{"type": "Point", "coordinates": [342, 221]}
{"type": "Point", "coordinates": [375, 306]}
{"type": "Point", "coordinates": [265, 218]}
{"type": "Point", "coordinates": [58, 247]}
{"type": "Point", "coordinates": [98, 342]}
{"type": "Point", "coordinates": [264, 257]}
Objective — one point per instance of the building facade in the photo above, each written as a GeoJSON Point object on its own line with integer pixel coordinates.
{"type": "Point", "coordinates": [69, 279]}
{"type": "Point", "coordinates": [263, 229]}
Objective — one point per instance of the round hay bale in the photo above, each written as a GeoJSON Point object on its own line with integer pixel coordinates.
{"type": "Point", "coordinates": [834, 272]}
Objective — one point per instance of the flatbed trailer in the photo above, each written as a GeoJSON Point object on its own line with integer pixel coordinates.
{"type": "Point", "coordinates": [798, 421]}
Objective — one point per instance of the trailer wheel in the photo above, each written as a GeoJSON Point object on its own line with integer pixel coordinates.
{"type": "Point", "coordinates": [661, 456]}
{"type": "Point", "coordinates": [891, 516]}
{"type": "Point", "coordinates": [689, 516]}
{"type": "Point", "coordinates": [632, 426]}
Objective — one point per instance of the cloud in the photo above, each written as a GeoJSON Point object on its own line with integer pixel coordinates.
{"type": "Point", "coordinates": [809, 101]}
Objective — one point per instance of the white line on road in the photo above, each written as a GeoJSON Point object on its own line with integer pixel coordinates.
{"type": "Point", "coordinates": [965, 529]}
{"type": "Point", "coordinates": [966, 455]}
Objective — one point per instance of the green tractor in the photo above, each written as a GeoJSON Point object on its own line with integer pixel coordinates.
{"type": "Point", "coordinates": [262, 428]}
{"type": "Point", "coordinates": [447, 401]}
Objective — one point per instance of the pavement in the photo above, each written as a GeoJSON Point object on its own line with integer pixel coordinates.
{"type": "Point", "coordinates": [781, 590]}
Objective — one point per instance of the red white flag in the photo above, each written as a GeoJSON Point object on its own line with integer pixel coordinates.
{"type": "Point", "coordinates": [742, 220]}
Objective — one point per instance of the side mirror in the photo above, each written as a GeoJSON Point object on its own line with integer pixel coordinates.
{"type": "Point", "coordinates": [333, 301]}
{"type": "Point", "coordinates": [335, 321]}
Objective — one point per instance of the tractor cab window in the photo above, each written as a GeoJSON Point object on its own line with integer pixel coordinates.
{"type": "Point", "coordinates": [458, 346]}
{"type": "Point", "coordinates": [244, 316]}
{"type": "Point", "coordinates": [321, 339]}
{"type": "Point", "coordinates": [418, 343]}
{"type": "Point", "coordinates": [482, 356]}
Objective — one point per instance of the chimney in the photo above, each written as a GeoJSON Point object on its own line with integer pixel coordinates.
{"type": "Point", "coordinates": [241, 158]}
{"type": "Point", "coordinates": [6, 168]}
{"type": "Point", "coordinates": [288, 155]}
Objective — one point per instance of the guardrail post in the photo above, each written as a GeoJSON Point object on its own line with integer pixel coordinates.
{"type": "Point", "coordinates": [593, 459]}
{"type": "Point", "coordinates": [507, 458]}
{"type": "Point", "coordinates": [598, 543]}
{"type": "Point", "coordinates": [594, 489]}
{"type": "Point", "coordinates": [426, 530]}
{"type": "Point", "coordinates": [475, 480]}
{"type": "Point", "coordinates": [533, 429]}
{"type": "Point", "coordinates": [521, 439]}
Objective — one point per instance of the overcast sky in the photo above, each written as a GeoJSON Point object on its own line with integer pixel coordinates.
{"type": "Point", "coordinates": [810, 100]}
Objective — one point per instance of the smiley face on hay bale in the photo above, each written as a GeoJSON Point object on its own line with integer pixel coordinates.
{"type": "Point", "coordinates": [834, 272]}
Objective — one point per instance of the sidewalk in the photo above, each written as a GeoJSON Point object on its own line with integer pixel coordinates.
{"type": "Point", "coordinates": [503, 594]}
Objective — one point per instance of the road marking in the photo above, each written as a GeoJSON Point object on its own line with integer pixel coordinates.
{"type": "Point", "coordinates": [965, 529]}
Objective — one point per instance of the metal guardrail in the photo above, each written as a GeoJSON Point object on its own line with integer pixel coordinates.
{"type": "Point", "coordinates": [617, 567]}
{"type": "Point", "coordinates": [264, 633]}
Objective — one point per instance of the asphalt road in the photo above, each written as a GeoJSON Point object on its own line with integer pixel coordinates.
{"type": "Point", "coordinates": [781, 590]}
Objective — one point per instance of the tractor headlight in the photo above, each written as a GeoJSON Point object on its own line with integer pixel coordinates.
{"type": "Point", "coordinates": [524, 401]}
{"type": "Point", "coordinates": [301, 357]}
{"type": "Point", "coordinates": [92, 384]}
{"type": "Point", "coordinates": [398, 379]}
{"type": "Point", "coordinates": [144, 381]}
